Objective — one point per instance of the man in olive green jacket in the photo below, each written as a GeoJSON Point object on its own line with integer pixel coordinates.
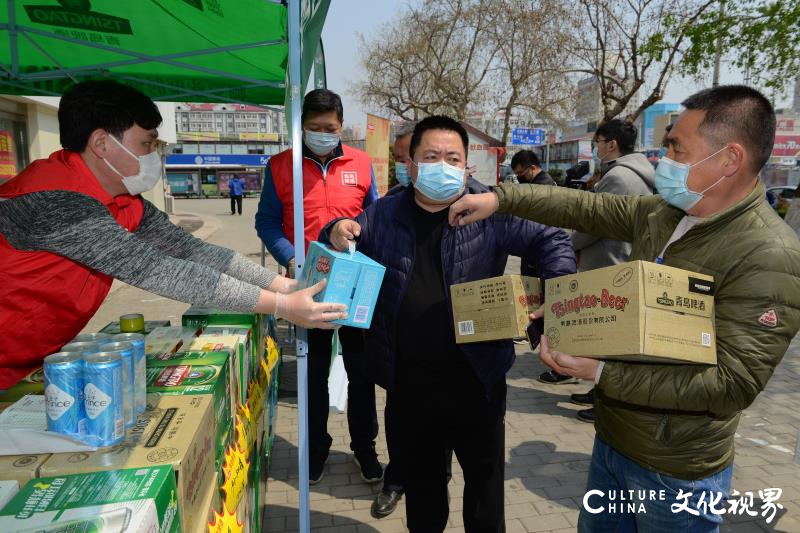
{"type": "Point", "coordinates": [663, 426]}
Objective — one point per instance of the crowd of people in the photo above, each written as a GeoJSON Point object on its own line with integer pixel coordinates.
{"type": "Point", "coordinates": [72, 223]}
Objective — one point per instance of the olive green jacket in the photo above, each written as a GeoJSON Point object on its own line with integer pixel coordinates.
{"type": "Point", "coordinates": [680, 420]}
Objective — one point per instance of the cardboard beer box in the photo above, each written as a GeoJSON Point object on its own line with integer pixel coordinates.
{"type": "Point", "coordinates": [247, 351]}
{"type": "Point", "coordinates": [211, 503]}
{"type": "Point", "coordinates": [199, 316]}
{"type": "Point", "coordinates": [112, 328]}
{"type": "Point", "coordinates": [230, 344]}
{"type": "Point", "coordinates": [192, 377]}
{"type": "Point", "coordinates": [637, 311]}
{"type": "Point", "coordinates": [168, 339]}
{"type": "Point", "coordinates": [353, 280]}
{"type": "Point", "coordinates": [176, 431]}
{"type": "Point", "coordinates": [222, 358]}
{"type": "Point", "coordinates": [494, 308]}
{"type": "Point", "coordinates": [136, 500]}
{"type": "Point", "coordinates": [21, 468]}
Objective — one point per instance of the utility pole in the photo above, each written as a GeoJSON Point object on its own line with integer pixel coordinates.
{"type": "Point", "coordinates": [718, 53]}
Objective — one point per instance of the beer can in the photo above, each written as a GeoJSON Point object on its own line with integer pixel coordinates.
{"type": "Point", "coordinates": [98, 338]}
{"type": "Point", "coordinates": [125, 350]}
{"type": "Point", "coordinates": [102, 378]}
{"type": "Point", "coordinates": [81, 347]}
{"type": "Point", "coordinates": [133, 323]}
{"type": "Point", "coordinates": [63, 393]}
{"type": "Point", "coordinates": [139, 369]}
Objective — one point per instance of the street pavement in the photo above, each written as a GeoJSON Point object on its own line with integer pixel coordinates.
{"type": "Point", "coordinates": [547, 448]}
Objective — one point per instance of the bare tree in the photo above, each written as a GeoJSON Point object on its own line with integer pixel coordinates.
{"type": "Point", "coordinates": [533, 43]}
{"type": "Point", "coordinates": [633, 47]}
{"type": "Point", "coordinates": [440, 66]}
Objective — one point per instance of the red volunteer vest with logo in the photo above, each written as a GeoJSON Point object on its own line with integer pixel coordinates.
{"type": "Point", "coordinates": [47, 299]}
{"type": "Point", "coordinates": [338, 193]}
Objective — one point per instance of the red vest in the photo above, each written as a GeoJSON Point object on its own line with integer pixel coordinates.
{"type": "Point", "coordinates": [339, 193]}
{"type": "Point", "coordinates": [47, 299]}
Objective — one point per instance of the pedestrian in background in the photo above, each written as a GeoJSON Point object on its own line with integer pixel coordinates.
{"type": "Point", "coordinates": [621, 171]}
{"type": "Point", "coordinates": [236, 192]}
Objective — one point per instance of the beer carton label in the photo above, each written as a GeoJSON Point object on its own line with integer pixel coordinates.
{"type": "Point", "coordinates": [97, 401]}
{"type": "Point", "coordinates": [57, 401]}
{"type": "Point", "coordinates": [172, 376]}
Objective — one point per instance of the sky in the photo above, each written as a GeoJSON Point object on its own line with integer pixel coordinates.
{"type": "Point", "coordinates": [347, 18]}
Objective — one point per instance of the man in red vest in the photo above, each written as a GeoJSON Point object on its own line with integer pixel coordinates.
{"type": "Point", "coordinates": [72, 223]}
{"type": "Point", "coordinates": [337, 183]}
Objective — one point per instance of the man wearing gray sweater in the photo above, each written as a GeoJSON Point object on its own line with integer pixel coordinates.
{"type": "Point", "coordinates": [72, 223]}
{"type": "Point", "coordinates": [624, 172]}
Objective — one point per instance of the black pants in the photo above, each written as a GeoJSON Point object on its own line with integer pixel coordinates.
{"type": "Point", "coordinates": [461, 416]}
{"type": "Point", "coordinates": [236, 201]}
{"type": "Point", "coordinates": [362, 418]}
{"type": "Point", "coordinates": [394, 477]}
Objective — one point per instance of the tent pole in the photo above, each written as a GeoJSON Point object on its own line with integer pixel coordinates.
{"type": "Point", "coordinates": [12, 37]}
{"type": "Point", "coordinates": [296, 93]}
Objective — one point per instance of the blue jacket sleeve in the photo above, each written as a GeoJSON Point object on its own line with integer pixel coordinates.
{"type": "Point", "coordinates": [372, 193]}
{"type": "Point", "coordinates": [269, 221]}
{"type": "Point", "coordinates": [363, 244]}
{"type": "Point", "coordinates": [550, 247]}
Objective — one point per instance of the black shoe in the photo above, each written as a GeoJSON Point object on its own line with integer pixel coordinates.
{"type": "Point", "coordinates": [583, 399]}
{"type": "Point", "coordinates": [316, 468]}
{"type": "Point", "coordinates": [385, 503]}
{"type": "Point", "coordinates": [371, 469]}
{"type": "Point", "coordinates": [551, 377]}
{"type": "Point", "coordinates": [586, 415]}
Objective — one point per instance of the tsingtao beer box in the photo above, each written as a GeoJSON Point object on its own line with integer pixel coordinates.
{"type": "Point", "coordinates": [132, 500]}
{"type": "Point", "coordinates": [353, 280]}
{"type": "Point", "coordinates": [494, 308]}
{"type": "Point", "coordinates": [637, 311]}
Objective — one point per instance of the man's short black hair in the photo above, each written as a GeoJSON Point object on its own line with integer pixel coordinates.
{"type": "Point", "coordinates": [103, 104]}
{"type": "Point", "coordinates": [437, 122]}
{"type": "Point", "coordinates": [525, 159]}
{"type": "Point", "coordinates": [737, 113]}
{"type": "Point", "coordinates": [623, 132]}
{"type": "Point", "coordinates": [321, 101]}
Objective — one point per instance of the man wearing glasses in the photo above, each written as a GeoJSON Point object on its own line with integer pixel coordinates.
{"type": "Point", "coordinates": [526, 167]}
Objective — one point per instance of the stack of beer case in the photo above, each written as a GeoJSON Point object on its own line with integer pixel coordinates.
{"type": "Point", "coordinates": [254, 363]}
{"type": "Point", "coordinates": [218, 370]}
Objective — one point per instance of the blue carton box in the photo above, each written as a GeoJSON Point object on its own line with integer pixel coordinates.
{"type": "Point", "coordinates": [353, 280]}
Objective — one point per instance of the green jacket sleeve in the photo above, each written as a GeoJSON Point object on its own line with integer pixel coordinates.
{"type": "Point", "coordinates": [747, 349]}
{"type": "Point", "coordinates": [605, 215]}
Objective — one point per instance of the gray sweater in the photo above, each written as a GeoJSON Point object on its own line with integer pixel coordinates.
{"type": "Point", "coordinates": [158, 257]}
{"type": "Point", "coordinates": [619, 177]}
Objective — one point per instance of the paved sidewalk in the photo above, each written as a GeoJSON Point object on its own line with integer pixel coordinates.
{"type": "Point", "coordinates": [547, 447]}
{"type": "Point", "coordinates": [547, 457]}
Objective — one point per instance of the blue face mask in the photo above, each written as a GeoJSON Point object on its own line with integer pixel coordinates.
{"type": "Point", "coordinates": [672, 180]}
{"type": "Point", "coordinates": [321, 143]}
{"type": "Point", "coordinates": [401, 173]}
{"type": "Point", "coordinates": [596, 157]}
{"type": "Point", "coordinates": [439, 182]}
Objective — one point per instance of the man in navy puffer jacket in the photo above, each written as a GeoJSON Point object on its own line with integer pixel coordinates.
{"type": "Point", "coordinates": [444, 394]}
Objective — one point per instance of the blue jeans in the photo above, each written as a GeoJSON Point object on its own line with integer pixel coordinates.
{"type": "Point", "coordinates": [636, 499]}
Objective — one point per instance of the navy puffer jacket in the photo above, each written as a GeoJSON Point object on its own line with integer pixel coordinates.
{"type": "Point", "coordinates": [472, 252]}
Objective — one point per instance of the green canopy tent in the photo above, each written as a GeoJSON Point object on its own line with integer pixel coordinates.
{"type": "Point", "coordinates": [257, 52]}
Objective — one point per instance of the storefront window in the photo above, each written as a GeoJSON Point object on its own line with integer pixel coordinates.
{"type": "Point", "coordinates": [13, 149]}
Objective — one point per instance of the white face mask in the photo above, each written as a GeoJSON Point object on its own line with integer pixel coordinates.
{"type": "Point", "coordinates": [150, 171]}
